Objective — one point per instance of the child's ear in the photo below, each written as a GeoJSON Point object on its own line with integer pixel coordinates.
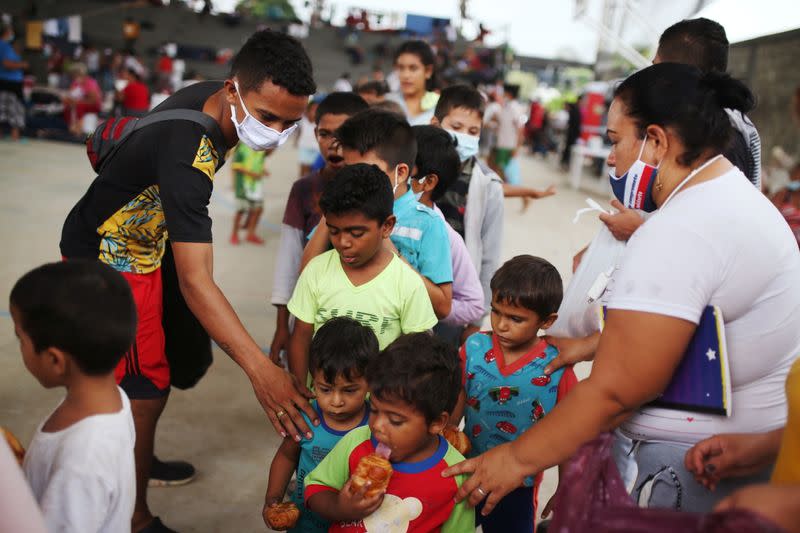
{"type": "Point", "coordinates": [56, 361]}
{"type": "Point", "coordinates": [435, 122]}
{"type": "Point", "coordinates": [402, 172]}
{"type": "Point", "coordinates": [439, 423]}
{"type": "Point", "coordinates": [549, 321]}
{"type": "Point", "coordinates": [388, 226]}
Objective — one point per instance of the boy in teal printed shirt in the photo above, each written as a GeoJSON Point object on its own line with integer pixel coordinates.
{"type": "Point", "coordinates": [339, 355]}
{"type": "Point", "coordinates": [414, 385]}
{"type": "Point", "coordinates": [360, 278]}
{"type": "Point", "coordinates": [386, 140]}
{"type": "Point", "coordinates": [505, 386]}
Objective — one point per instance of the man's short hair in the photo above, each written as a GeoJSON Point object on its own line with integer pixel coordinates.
{"type": "Point", "coordinates": [529, 282]}
{"type": "Point", "coordinates": [700, 42]}
{"type": "Point", "coordinates": [461, 95]}
{"type": "Point", "coordinates": [340, 103]}
{"type": "Point", "coordinates": [383, 132]}
{"type": "Point", "coordinates": [360, 187]}
{"type": "Point", "coordinates": [342, 347]}
{"type": "Point", "coordinates": [273, 56]}
{"type": "Point", "coordinates": [82, 307]}
{"type": "Point", "coordinates": [436, 154]}
{"type": "Point", "coordinates": [420, 370]}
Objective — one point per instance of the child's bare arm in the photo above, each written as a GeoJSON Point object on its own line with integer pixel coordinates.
{"type": "Point", "coordinates": [280, 471]}
{"type": "Point", "coordinates": [299, 344]}
{"type": "Point", "coordinates": [516, 191]}
{"type": "Point", "coordinates": [345, 505]}
{"type": "Point", "coordinates": [441, 297]}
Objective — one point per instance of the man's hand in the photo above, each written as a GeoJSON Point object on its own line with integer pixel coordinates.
{"type": "Point", "coordinates": [780, 504]}
{"type": "Point", "coordinates": [282, 398]}
{"type": "Point", "coordinates": [351, 506]}
{"type": "Point", "coordinates": [571, 351]}
{"type": "Point", "coordinates": [731, 455]}
{"type": "Point", "coordinates": [622, 224]}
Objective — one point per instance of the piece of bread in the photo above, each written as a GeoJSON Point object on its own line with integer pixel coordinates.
{"type": "Point", "coordinates": [458, 439]}
{"type": "Point", "coordinates": [374, 469]}
{"type": "Point", "coordinates": [282, 516]}
{"type": "Point", "coordinates": [14, 444]}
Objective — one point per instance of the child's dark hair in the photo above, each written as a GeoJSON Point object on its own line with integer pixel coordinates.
{"type": "Point", "coordinates": [420, 370]}
{"type": "Point", "coordinates": [342, 347]}
{"type": "Point", "coordinates": [361, 187]}
{"type": "Point", "coordinates": [277, 57]}
{"type": "Point", "coordinates": [700, 42]}
{"type": "Point", "coordinates": [373, 86]}
{"type": "Point", "coordinates": [340, 103]}
{"type": "Point", "coordinates": [461, 95]}
{"type": "Point", "coordinates": [689, 101]}
{"type": "Point", "coordinates": [424, 52]}
{"type": "Point", "coordinates": [386, 133]}
{"type": "Point", "coordinates": [436, 154]}
{"type": "Point", "coordinates": [84, 308]}
{"type": "Point", "coordinates": [529, 282]}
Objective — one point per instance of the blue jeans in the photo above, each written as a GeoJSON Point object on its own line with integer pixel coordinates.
{"type": "Point", "coordinates": [512, 514]}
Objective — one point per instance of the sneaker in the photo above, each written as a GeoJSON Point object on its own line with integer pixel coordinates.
{"type": "Point", "coordinates": [156, 526]}
{"type": "Point", "coordinates": [170, 473]}
{"type": "Point", "coordinates": [255, 239]}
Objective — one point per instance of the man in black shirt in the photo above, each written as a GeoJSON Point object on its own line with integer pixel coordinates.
{"type": "Point", "coordinates": [158, 185]}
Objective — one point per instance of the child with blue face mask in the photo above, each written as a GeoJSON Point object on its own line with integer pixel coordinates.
{"type": "Point", "coordinates": [473, 204]}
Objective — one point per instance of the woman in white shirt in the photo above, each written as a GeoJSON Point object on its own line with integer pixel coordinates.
{"type": "Point", "coordinates": [715, 240]}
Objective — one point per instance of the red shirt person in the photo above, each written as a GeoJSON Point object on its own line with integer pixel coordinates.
{"type": "Point", "coordinates": [135, 97]}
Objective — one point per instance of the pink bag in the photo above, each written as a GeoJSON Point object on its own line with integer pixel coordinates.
{"type": "Point", "coordinates": [593, 498]}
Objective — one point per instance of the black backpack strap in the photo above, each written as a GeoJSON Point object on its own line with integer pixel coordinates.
{"type": "Point", "coordinates": [198, 117]}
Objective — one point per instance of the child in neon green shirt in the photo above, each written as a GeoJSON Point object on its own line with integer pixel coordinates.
{"type": "Point", "coordinates": [359, 278]}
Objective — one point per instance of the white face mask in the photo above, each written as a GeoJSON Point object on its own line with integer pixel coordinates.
{"type": "Point", "coordinates": [466, 145]}
{"type": "Point", "coordinates": [253, 133]}
{"type": "Point", "coordinates": [421, 181]}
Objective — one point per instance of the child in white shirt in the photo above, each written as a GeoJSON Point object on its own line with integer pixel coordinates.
{"type": "Point", "coordinates": [74, 321]}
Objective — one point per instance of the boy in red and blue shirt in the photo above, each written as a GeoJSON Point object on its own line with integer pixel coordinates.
{"type": "Point", "coordinates": [505, 388]}
{"type": "Point", "coordinates": [414, 385]}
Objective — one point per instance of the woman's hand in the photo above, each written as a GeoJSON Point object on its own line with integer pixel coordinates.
{"type": "Point", "coordinates": [779, 504]}
{"type": "Point", "coordinates": [731, 455]}
{"type": "Point", "coordinates": [571, 350]}
{"type": "Point", "coordinates": [493, 475]}
{"type": "Point", "coordinates": [624, 223]}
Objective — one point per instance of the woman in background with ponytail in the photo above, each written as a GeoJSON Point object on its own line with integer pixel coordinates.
{"type": "Point", "coordinates": [714, 241]}
{"type": "Point", "coordinates": [415, 67]}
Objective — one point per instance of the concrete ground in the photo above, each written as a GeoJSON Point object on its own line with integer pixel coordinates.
{"type": "Point", "coordinates": [218, 426]}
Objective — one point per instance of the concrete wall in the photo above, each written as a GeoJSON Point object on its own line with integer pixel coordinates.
{"type": "Point", "coordinates": [771, 68]}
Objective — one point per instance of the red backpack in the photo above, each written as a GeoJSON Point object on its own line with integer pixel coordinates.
{"type": "Point", "coordinates": [112, 133]}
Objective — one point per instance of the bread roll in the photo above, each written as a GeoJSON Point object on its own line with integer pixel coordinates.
{"type": "Point", "coordinates": [282, 516]}
{"type": "Point", "coordinates": [14, 444]}
{"type": "Point", "coordinates": [374, 469]}
{"type": "Point", "coordinates": [458, 439]}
